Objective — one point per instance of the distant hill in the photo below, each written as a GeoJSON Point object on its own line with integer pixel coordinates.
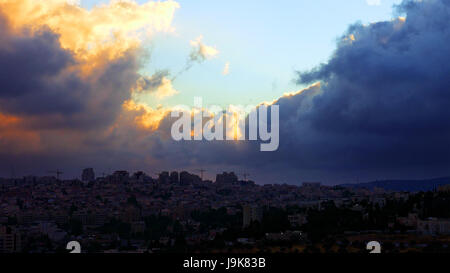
{"type": "Point", "coordinates": [403, 185]}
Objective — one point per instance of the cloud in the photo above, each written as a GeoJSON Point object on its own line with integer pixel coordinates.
{"type": "Point", "coordinates": [44, 85]}
{"type": "Point", "coordinates": [145, 116]}
{"type": "Point", "coordinates": [104, 33]}
{"type": "Point", "coordinates": [65, 63]}
{"type": "Point", "coordinates": [67, 73]}
{"type": "Point", "coordinates": [165, 89]}
{"type": "Point", "coordinates": [201, 52]}
{"type": "Point", "coordinates": [384, 102]}
{"type": "Point", "coordinates": [158, 85]}
{"type": "Point", "coordinates": [74, 2]}
{"type": "Point", "coordinates": [226, 69]}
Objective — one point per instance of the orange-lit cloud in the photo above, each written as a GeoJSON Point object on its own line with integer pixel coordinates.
{"type": "Point", "coordinates": [8, 120]}
{"type": "Point", "coordinates": [166, 89]}
{"type": "Point", "coordinates": [106, 31]}
{"type": "Point", "coordinates": [98, 37]}
{"type": "Point", "coordinates": [145, 116]}
{"type": "Point", "coordinates": [14, 139]}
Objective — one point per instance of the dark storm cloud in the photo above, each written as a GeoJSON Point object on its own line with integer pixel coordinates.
{"type": "Point", "coordinates": [382, 109]}
{"type": "Point", "coordinates": [39, 82]}
{"type": "Point", "coordinates": [29, 64]}
{"type": "Point", "coordinates": [385, 98]}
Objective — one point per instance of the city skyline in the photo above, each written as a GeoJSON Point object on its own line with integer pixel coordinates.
{"type": "Point", "coordinates": [180, 213]}
{"type": "Point", "coordinates": [89, 175]}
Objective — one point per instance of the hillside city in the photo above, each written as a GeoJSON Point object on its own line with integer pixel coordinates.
{"type": "Point", "coordinates": [183, 213]}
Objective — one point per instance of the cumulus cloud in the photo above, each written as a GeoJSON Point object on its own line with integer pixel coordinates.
{"type": "Point", "coordinates": [108, 30]}
{"type": "Point", "coordinates": [65, 62]}
{"type": "Point", "coordinates": [43, 84]}
{"type": "Point", "coordinates": [64, 83]}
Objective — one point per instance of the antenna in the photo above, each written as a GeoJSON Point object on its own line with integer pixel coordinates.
{"type": "Point", "coordinates": [245, 175]}
{"type": "Point", "coordinates": [201, 171]}
{"type": "Point", "coordinates": [57, 172]}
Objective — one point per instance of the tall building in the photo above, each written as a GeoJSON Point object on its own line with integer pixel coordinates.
{"type": "Point", "coordinates": [88, 175]}
{"type": "Point", "coordinates": [164, 177]}
{"type": "Point", "coordinates": [251, 214]}
{"type": "Point", "coordinates": [227, 178]}
{"type": "Point", "coordinates": [120, 176]}
{"type": "Point", "coordinates": [139, 176]}
{"type": "Point", "coordinates": [174, 178]}
{"type": "Point", "coordinates": [9, 240]}
{"type": "Point", "coordinates": [187, 178]}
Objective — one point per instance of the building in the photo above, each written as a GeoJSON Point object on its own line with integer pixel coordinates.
{"type": "Point", "coordinates": [188, 179]}
{"type": "Point", "coordinates": [120, 176]}
{"type": "Point", "coordinates": [284, 236]}
{"type": "Point", "coordinates": [138, 227]}
{"type": "Point", "coordinates": [174, 178]}
{"type": "Point", "coordinates": [10, 241]}
{"type": "Point", "coordinates": [410, 221]}
{"type": "Point", "coordinates": [311, 185]}
{"type": "Point", "coordinates": [251, 214]}
{"type": "Point", "coordinates": [90, 219]}
{"type": "Point", "coordinates": [297, 220]}
{"type": "Point", "coordinates": [434, 226]}
{"type": "Point", "coordinates": [130, 214]}
{"type": "Point", "coordinates": [227, 178]}
{"type": "Point", "coordinates": [88, 175]}
{"type": "Point", "coordinates": [52, 231]}
{"type": "Point", "coordinates": [139, 176]}
{"type": "Point", "coordinates": [164, 177]}
{"type": "Point", "coordinates": [444, 188]}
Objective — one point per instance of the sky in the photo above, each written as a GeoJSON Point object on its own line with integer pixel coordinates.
{"type": "Point", "coordinates": [264, 42]}
{"type": "Point", "coordinates": [362, 86]}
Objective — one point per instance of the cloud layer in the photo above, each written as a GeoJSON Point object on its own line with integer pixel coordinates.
{"type": "Point", "coordinates": [379, 108]}
{"type": "Point", "coordinates": [65, 85]}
